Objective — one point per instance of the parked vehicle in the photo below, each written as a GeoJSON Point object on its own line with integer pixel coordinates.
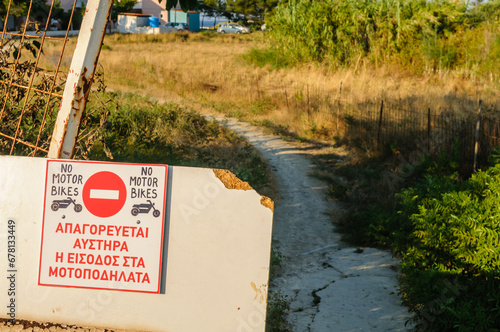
{"type": "Point", "coordinates": [64, 203]}
{"type": "Point", "coordinates": [145, 208]}
{"type": "Point", "coordinates": [177, 26]}
{"type": "Point", "coordinates": [233, 28]}
{"type": "Point", "coordinates": [167, 29]}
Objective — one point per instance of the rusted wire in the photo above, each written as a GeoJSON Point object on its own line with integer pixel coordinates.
{"type": "Point", "coordinates": [32, 77]}
{"type": "Point", "coordinates": [16, 64]}
{"type": "Point", "coordinates": [35, 36]}
{"type": "Point", "coordinates": [65, 40]}
{"type": "Point", "coordinates": [33, 89]}
{"type": "Point", "coordinates": [28, 93]}
{"type": "Point", "coordinates": [25, 143]}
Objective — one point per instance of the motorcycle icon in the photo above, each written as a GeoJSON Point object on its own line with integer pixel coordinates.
{"type": "Point", "coordinates": [64, 203]}
{"type": "Point", "coordinates": [145, 208]}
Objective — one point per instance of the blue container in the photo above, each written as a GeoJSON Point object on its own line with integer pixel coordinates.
{"type": "Point", "coordinates": [153, 21]}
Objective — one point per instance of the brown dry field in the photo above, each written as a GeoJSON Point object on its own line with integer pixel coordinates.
{"type": "Point", "coordinates": [209, 73]}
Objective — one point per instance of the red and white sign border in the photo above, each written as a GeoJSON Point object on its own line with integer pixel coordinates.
{"type": "Point", "coordinates": [162, 217]}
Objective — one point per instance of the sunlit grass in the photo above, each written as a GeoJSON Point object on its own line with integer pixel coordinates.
{"type": "Point", "coordinates": [212, 73]}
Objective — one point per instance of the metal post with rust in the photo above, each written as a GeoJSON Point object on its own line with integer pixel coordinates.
{"type": "Point", "coordinates": [79, 79]}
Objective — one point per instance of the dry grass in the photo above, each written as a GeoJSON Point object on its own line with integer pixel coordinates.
{"type": "Point", "coordinates": [208, 73]}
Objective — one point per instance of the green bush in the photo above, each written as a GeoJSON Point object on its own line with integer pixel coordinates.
{"type": "Point", "coordinates": [272, 57]}
{"type": "Point", "coordinates": [447, 232]}
{"type": "Point", "coordinates": [451, 267]}
{"type": "Point", "coordinates": [417, 34]}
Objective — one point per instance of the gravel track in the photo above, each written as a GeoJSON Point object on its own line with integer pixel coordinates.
{"type": "Point", "coordinates": [330, 286]}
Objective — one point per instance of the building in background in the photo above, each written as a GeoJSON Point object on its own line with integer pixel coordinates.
{"type": "Point", "coordinates": [68, 4]}
{"type": "Point", "coordinates": [153, 8]}
{"type": "Point", "coordinates": [175, 15]}
{"type": "Point", "coordinates": [132, 22]}
{"type": "Point", "coordinates": [191, 18]}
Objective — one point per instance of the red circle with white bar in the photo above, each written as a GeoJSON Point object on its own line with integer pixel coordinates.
{"type": "Point", "coordinates": [104, 194]}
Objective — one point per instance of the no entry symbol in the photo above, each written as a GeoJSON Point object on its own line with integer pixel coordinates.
{"type": "Point", "coordinates": [104, 194]}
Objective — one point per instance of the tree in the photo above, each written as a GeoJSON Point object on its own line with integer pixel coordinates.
{"type": "Point", "coordinates": [185, 4]}
{"type": "Point", "coordinates": [122, 6]}
{"type": "Point", "coordinates": [39, 10]}
{"type": "Point", "coordinates": [17, 8]}
{"type": "Point", "coordinates": [214, 8]}
{"type": "Point", "coordinates": [252, 8]}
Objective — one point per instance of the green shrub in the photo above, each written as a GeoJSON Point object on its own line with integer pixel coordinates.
{"type": "Point", "coordinates": [451, 266]}
{"type": "Point", "coordinates": [447, 232]}
{"type": "Point", "coordinates": [270, 56]}
{"type": "Point", "coordinates": [417, 34]}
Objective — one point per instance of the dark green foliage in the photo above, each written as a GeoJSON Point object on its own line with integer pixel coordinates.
{"type": "Point", "coordinates": [18, 7]}
{"type": "Point", "coordinates": [185, 4]}
{"type": "Point", "coordinates": [256, 9]}
{"type": "Point", "coordinates": [122, 6]}
{"type": "Point", "coordinates": [447, 232]}
{"type": "Point", "coordinates": [214, 8]}
{"type": "Point", "coordinates": [445, 229]}
{"type": "Point", "coordinates": [276, 260]}
{"type": "Point", "coordinates": [277, 306]}
{"type": "Point", "coordinates": [248, 10]}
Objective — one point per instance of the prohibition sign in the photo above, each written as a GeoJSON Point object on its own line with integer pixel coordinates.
{"type": "Point", "coordinates": [104, 194]}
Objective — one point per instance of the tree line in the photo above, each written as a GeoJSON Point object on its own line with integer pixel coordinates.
{"type": "Point", "coordinates": [418, 34]}
{"type": "Point", "coordinates": [255, 10]}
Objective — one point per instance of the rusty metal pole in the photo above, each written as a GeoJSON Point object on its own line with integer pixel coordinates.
{"type": "Point", "coordinates": [79, 79]}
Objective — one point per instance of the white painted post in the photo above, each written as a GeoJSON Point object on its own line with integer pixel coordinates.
{"type": "Point", "coordinates": [79, 79]}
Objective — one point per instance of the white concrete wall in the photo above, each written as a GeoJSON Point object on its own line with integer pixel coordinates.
{"type": "Point", "coordinates": [131, 24]}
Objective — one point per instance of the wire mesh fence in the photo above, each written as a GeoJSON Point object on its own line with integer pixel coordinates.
{"type": "Point", "coordinates": [31, 95]}
{"type": "Point", "coordinates": [413, 132]}
{"type": "Point", "coordinates": [407, 126]}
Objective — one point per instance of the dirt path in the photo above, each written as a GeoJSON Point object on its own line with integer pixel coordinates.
{"type": "Point", "coordinates": [331, 287]}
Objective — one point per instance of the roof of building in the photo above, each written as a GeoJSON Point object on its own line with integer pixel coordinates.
{"type": "Point", "coordinates": [180, 10]}
{"type": "Point", "coordinates": [135, 14]}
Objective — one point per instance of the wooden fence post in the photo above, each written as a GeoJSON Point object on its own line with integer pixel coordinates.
{"type": "Point", "coordinates": [429, 130]}
{"type": "Point", "coordinates": [380, 123]}
{"type": "Point", "coordinates": [338, 108]}
{"type": "Point", "coordinates": [476, 146]}
{"type": "Point", "coordinates": [308, 103]}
